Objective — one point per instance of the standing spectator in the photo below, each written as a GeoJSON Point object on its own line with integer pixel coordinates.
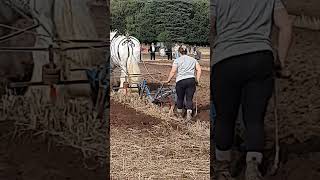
{"type": "Point", "coordinates": [141, 49]}
{"type": "Point", "coordinates": [169, 51]}
{"type": "Point", "coordinates": [152, 51]}
{"type": "Point", "coordinates": [197, 55]}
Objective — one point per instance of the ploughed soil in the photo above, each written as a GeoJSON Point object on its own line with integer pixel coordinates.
{"type": "Point", "coordinates": [125, 117]}
{"type": "Point", "coordinates": [29, 158]}
{"type": "Point", "coordinates": [299, 111]}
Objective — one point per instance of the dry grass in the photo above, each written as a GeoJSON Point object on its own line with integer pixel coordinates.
{"type": "Point", "coordinates": [161, 152]}
{"type": "Point", "coordinates": [72, 124]}
{"type": "Point", "coordinates": [311, 23]}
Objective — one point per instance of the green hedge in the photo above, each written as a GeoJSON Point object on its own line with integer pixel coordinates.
{"type": "Point", "coordinates": [162, 20]}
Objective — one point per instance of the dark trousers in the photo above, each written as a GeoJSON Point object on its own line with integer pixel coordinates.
{"type": "Point", "coordinates": [185, 90]}
{"type": "Point", "coordinates": [247, 80]}
{"type": "Point", "coordinates": [169, 54]}
{"type": "Point", "coordinates": [153, 55]}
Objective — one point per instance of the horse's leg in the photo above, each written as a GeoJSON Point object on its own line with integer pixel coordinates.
{"type": "Point", "coordinates": [122, 80]}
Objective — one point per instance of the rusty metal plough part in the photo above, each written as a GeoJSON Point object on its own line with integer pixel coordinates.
{"type": "Point", "coordinates": [51, 73]}
{"type": "Point", "coordinates": [163, 95]}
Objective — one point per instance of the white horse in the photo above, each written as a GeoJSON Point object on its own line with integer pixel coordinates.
{"type": "Point", "coordinates": [125, 54]}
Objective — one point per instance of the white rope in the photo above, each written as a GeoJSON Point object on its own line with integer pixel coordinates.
{"type": "Point", "coordinates": [276, 125]}
{"type": "Point", "coordinates": [148, 72]}
{"type": "Point", "coordinates": [196, 95]}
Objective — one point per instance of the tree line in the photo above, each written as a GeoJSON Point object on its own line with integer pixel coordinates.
{"type": "Point", "coordinates": [169, 21]}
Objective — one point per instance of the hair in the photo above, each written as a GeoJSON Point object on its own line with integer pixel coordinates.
{"type": "Point", "coordinates": [182, 50]}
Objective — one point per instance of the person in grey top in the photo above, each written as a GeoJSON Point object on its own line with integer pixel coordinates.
{"type": "Point", "coordinates": [186, 80]}
{"type": "Point", "coordinates": [242, 73]}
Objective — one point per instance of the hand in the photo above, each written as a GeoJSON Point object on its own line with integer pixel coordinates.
{"type": "Point", "coordinates": [278, 65]}
{"type": "Point", "coordinates": [283, 73]}
{"type": "Point", "coordinates": [281, 70]}
{"type": "Point", "coordinates": [197, 82]}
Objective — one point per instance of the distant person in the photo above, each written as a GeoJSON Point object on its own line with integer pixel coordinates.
{"type": "Point", "coordinates": [176, 51]}
{"type": "Point", "coordinates": [141, 49]}
{"type": "Point", "coordinates": [186, 51]}
{"type": "Point", "coordinates": [185, 67]}
{"type": "Point", "coordinates": [169, 52]}
{"type": "Point", "coordinates": [152, 51]}
{"type": "Point", "coordinates": [197, 55]}
{"type": "Point", "coordinates": [242, 73]}
{"type": "Point", "coordinates": [194, 50]}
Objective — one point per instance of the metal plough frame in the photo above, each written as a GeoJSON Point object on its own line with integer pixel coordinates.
{"type": "Point", "coordinates": [97, 77]}
{"type": "Point", "coordinates": [161, 96]}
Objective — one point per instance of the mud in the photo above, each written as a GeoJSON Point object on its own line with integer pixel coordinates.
{"type": "Point", "coordinates": [30, 158]}
{"type": "Point", "coordinates": [125, 117]}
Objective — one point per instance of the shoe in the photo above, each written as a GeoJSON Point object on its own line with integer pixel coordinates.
{"type": "Point", "coordinates": [238, 163]}
{"type": "Point", "coordinates": [179, 113]}
{"type": "Point", "coordinates": [252, 170]}
{"type": "Point", "coordinates": [189, 115]}
{"type": "Point", "coordinates": [222, 170]}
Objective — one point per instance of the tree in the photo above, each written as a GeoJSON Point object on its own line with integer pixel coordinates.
{"type": "Point", "coordinates": [162, 20]}
{"type": "Point", "coordinates": [124, 13]}
{"type": "Point", "coordinates": [163, 37]}
{"type": "Point", "coordinates": [199, 26]}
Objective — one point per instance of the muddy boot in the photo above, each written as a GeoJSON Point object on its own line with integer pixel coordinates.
{"type": "Point", "coordinates": [222, 170]}
{"type": "Point", "coordinates": [179, 113]}
{"type": "Point", "coordinates": [222, 165]}
{"type": "Point", "coordinates": [252, 169]}
{"type": "Point", "coordinates": [189, 115]}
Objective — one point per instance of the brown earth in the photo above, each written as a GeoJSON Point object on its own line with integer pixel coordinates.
{"type": "Point", "coordinates": [125, 117]}
{"type": "Point", "coordinates": [28, 158]}
{"type": "Point", "coordinates": [143, 147]}
{"type": "Point", "coordinates": [299, 110]}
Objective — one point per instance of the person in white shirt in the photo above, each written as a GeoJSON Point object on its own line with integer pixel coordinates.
{"type": "Point", "coordinates": [186, 80]}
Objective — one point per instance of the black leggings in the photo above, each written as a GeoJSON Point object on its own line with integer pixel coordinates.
{"type": "Point", "coordinates": [247, 80]}
{"type": "Point", "coordinates": [169, 54]}
{"type": "Point", "coordinates": [185, 89]}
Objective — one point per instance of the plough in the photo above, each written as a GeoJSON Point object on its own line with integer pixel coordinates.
{"type": "Point", "coordinates": [51, 75]}
{"type": "Point", "coordinates": [162, 96]}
